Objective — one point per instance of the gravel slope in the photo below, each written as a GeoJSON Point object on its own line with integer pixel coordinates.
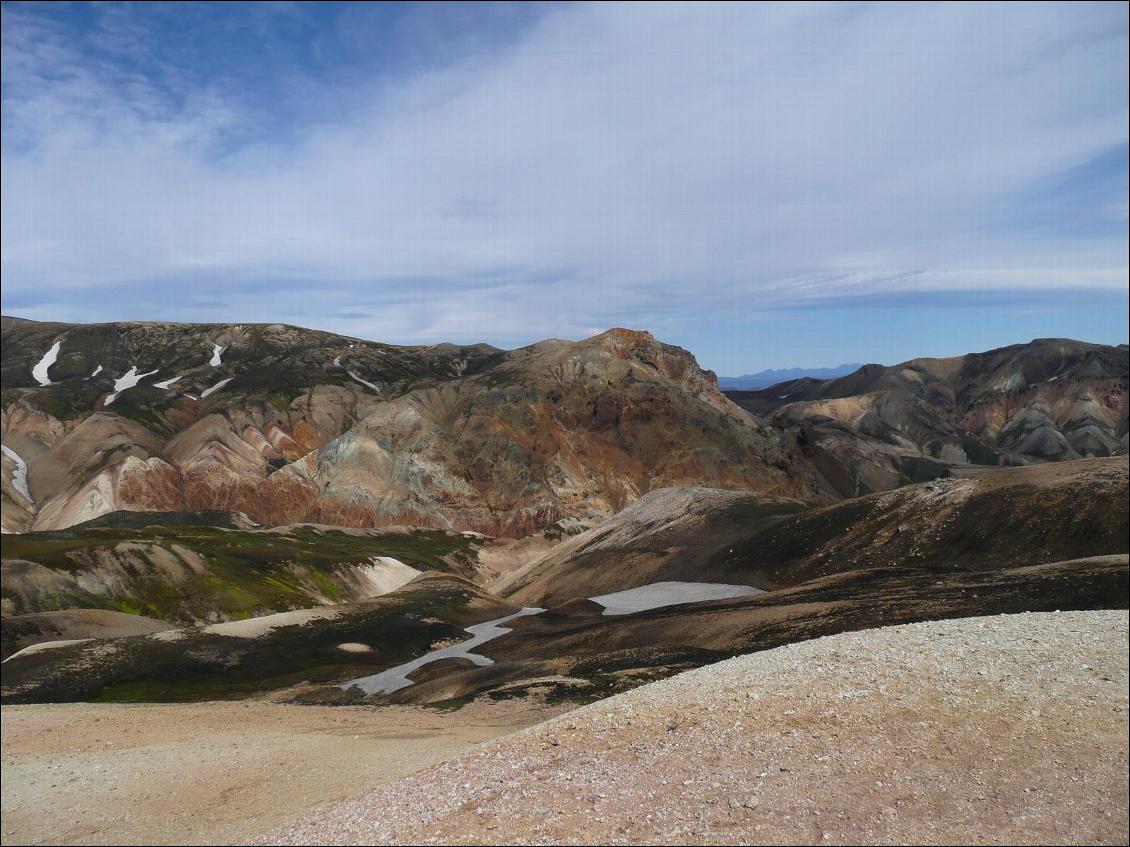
{"type": "Point", "coordinates": [214, 773]}
{"type": "Point", "coordinates": [982, 730]}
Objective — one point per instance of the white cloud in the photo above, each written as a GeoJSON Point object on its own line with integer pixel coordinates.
{"type": "Point", "coordinates": [616, 163]}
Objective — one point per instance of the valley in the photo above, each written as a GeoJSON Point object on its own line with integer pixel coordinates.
{"type": "Point", "coordinates": [301, 528]}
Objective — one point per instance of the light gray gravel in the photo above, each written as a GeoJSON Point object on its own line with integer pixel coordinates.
{"type": "Point", "coordinates": [984, 730]}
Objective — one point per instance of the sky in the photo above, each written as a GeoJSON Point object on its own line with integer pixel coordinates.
{"type": "Point", "coordinates": [767, 185]}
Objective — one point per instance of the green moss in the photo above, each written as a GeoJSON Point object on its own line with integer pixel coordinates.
{"type": "Point", "coordinates": [452, 704]}
{"type": "Point", "coordinates": [203, 666]}
{"type": "Point", "coordinates": [247, 573]}
{"type": "Point", "coordinates": [326, 586]}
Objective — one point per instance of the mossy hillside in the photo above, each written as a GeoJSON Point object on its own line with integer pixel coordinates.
{"type": "Point", "coordinates": [247, 572]}
{"type": "Point", "coordinates": [206, 666]}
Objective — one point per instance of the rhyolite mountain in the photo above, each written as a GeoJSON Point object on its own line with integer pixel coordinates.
{"type": "Point", "coordinates": [1048, 400]}
{"type": "Point", "coordinates": [292, 425]}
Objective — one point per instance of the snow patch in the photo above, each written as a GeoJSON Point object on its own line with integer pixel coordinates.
{"type": "Point", "coordinates": [215, 387]}
{"type": "Point", "coordinates": [19, 474]}
{"type": "Point", "coordinates": [660, 594]}
{"type": "Point", "coordinates": [96, 371]}
{"type": "Point", "coordinates": [359, 379]}
{"type": "Point", "coordinates": [40, 370]}
{"type": "Point", "coordinates": [216, 351]}
{"type": "Point", "coordinates": [127, 380]}
{"type": "Point", "coordinates": [355, 375]}
{"type": "Point", "coordinates": [396, 678]}
{"type": "Point", "coordinates": [165, 383]}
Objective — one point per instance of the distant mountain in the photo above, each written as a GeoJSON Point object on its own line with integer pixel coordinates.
{"type": "Point", "coordinates": [764, 379]}
{"type": "Point", "coordinates": [1048, 400]}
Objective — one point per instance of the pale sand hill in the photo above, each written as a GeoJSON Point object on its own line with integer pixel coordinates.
{"type": "Point", "coordinates": [983, 730]}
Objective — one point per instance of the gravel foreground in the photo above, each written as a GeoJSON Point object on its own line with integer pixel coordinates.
{"type": "Point", "coordinates": [215, 773]}
{"type": "Point", "coordinates": [1009, 729]}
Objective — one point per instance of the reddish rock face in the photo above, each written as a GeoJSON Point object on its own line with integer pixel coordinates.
{"type": "Point", "coordinates": [447, 437]}
{"type": "Point", "coordinates": [309, 426]}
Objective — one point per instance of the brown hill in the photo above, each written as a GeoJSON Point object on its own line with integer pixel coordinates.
{"type": "Point", "coordinates": [1051, 399]}
{"type": "Point", "coordinates": [981, 520]}
{"type": "Point", "coordinates": [291, 425]}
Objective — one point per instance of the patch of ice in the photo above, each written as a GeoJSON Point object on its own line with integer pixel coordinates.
{"type": "Point", "coordinates": [215, 387]}
{"type": "Point", "coordinates": [356, 376]}
{"type": "Point", "coordinates": [165, 383]}
{"type": "Point", "coordinates": [96, 371]}
{"type": "Point", "coordinates": [363, 381]}
{"type": "Point", "coordinates": [127, 380]}
{"type": "Point", "coordinates": [660, 594]}
{"type": "Point", "coordinates": [396, 678]}
{"type": "Point", "coordinates": [19, 474]}
{"type": "Point", "coordinates": [784, 396]}
{"type": "Point", "coordinates": [40, 370]}
{"type": "Point", "coordinates": [191, 396]}
{"type": "Point", "coordinates": [216, 351]}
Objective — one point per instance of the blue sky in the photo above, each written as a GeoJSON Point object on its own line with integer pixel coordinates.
{"type": "Point", "coordinates": [767, 185]}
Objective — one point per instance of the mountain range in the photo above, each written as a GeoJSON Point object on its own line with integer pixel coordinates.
{"type": "Point", "coordinates": [1048, 400]}
{"type": "Point", "coordinates": [291, 425]}
{"type": "Point", "coordinates": [225, 511]}
{"type": "Point", "coordinates": [767, 378]}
